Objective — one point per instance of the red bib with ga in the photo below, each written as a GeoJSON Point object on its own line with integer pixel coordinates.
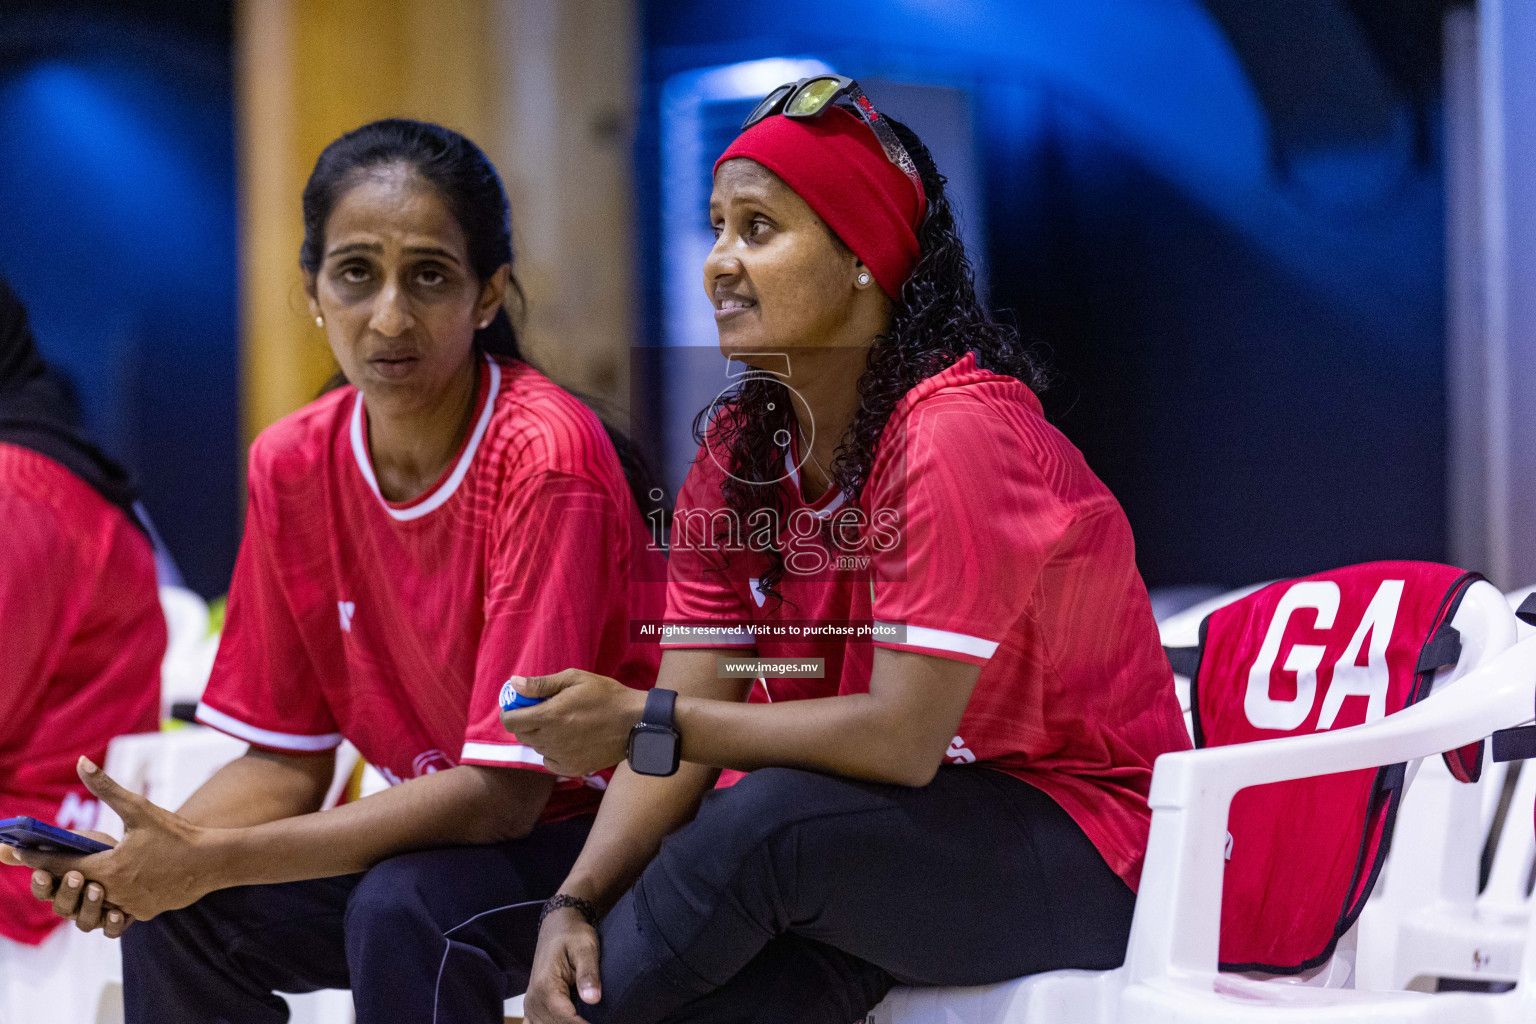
{"type": "Point", "coordinates": [1337, 649]}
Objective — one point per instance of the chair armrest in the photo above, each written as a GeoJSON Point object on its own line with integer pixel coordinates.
{"type": "Point", "coordinates": [1178, 912]}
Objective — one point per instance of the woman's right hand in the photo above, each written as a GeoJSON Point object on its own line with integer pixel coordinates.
{"type": "Point", "coordinates": [84, 902]}
{"type": "Point", "coordinates": [75, 897]}
{"type": "Point", "coordinates": [566, 957]}
{"type": "Point", "coordinates": [162, 863]}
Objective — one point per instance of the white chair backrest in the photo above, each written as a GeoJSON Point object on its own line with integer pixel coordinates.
{"type": "Point", "coordinates": [1495, 772]}
{"type": "Point", "coordinates": [186, 617]}
{"type": "Point", "coordinates": [1178, 908]}
{"type": "Point", "coordinates": [1183, 630]}
{"type": "Point", "coordinates": [190, 650]}
{"type": "Point", "coordinates": [1515, 854]}
{"type": "Point", "coordinates": [1515, 598]}
{"type": "Point", "coordinates": [1487, 630]}
{"type": "Point", "coordinates": [1491, 791]}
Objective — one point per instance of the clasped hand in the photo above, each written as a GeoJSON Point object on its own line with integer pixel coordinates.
{"type": "Point", "coordinates": [149, 872]}
{"type": "Point", "coordinates": [583, 724]}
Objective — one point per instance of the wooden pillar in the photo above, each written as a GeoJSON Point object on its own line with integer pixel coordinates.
{"type": "Point", "coordinates": [545, 87]}
{"type": "Point", "coordinates": [565, 99]}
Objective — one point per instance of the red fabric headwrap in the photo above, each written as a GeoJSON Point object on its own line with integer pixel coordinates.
{"type": "Point", "coordinates": [835, 163]}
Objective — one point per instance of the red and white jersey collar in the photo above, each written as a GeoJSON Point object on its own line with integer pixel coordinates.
{"type": "Point", "coordinates": [822, 507]}
{"type": "Point", "coordinates": [439, 493]}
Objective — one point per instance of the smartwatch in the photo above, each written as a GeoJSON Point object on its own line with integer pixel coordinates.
{"type": "Point", "coordinates": [653, 741]}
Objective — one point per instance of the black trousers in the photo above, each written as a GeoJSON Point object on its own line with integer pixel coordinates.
{"type": "Point", "coordinates": [437, 937]}
{"type": "Point", "coordinates": [802, 898]}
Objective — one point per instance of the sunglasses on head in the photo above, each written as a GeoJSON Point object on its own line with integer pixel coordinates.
{"type": "Point", "coordinates": [811, 97]}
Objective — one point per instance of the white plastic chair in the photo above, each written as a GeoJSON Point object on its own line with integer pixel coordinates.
{"type": "Point", "coordinates": [74, 978]}
{"type": "Point", "coordinates": [1514, 858]}
{"type": "Point", "coordinates": [60, 981]}
{"type": "Point", "coordinates": [167, 767]}
{"type": "Point", "coordinates": [77, 979]}
{"type": "Point", "coordinates": [1169, 601]}
{"type": "Point", "coordinates": [1170, 975]}
{"type": "Point", "coordinates": [1182, 629]}
{"type": "Point", "coordinates": [1428, 921]}
{"type": "Point", "coordinates": [189, 650]}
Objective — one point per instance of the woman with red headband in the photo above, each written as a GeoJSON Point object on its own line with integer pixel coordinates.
{"type": "Point", "coordinates": [947, 776]}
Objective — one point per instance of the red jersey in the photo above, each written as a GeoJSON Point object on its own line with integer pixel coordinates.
{"type": "Point", "coordinates": [395, 625]}
{"type": "Point", "coordinates": [981, 536]}
{"type": "Point", "coordinates": [84, 638]}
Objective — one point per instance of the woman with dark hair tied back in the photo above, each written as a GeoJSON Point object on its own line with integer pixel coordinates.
{"type": "Point", "coordinates": [447, 520]}
{"type": "Point", "coordinates": [902, 615]}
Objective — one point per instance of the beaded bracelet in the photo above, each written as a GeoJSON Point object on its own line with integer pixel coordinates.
{"type": "Point", "coordinates": [583, 907]}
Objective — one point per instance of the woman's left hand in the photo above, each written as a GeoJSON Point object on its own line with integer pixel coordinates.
{"type": "Point", "coordinates": [158, 866]}
{"type": "Point", "coordinates": [583, 724]}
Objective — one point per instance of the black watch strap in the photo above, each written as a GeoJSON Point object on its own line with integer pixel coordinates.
{"type": "Point", "coordinates": [660, 708]}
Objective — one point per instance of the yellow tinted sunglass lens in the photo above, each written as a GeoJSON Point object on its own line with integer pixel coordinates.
{"type": "Point", "coordinates": [812, 97]}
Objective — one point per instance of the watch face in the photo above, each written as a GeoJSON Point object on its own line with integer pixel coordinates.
{"type": "Point", "coordinates": [653, 751]}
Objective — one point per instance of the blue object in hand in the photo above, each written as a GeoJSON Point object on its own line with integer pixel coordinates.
{"type": "Point", "coordinates": [511, 699]}
{"type": "Point", "coordinates": [31, 834]}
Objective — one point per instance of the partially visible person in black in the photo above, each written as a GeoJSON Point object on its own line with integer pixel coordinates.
{"type": "Point", "coordinates": [81, 623]}
{"type": "Point", "coordinates": [38, 410]}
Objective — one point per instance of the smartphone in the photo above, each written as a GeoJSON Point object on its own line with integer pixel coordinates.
{"type": "Point", "coordinates": [31, 834]}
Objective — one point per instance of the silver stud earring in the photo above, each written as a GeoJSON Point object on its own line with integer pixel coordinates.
{"type": "Point", "coordinates": [319, 321]}
{"type": "Point", "coordinates": [863, 279]}
{"type": "Point", "coordinates": [484, 324]}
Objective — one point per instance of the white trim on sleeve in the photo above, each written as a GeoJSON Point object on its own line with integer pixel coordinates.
{"type": "Point", "coordinates": [265, 737]}
{"type": "Point", "coordinates": [944, 640]}
{"type": "Point", "coordinates": [701, 637]}
{"type": "Point", "coordinates": [516, 753]}
{"type": "Point", "coordinates": [505, 753]}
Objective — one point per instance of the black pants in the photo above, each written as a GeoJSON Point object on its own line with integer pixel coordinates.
{"type": "Point", "coordinates": [424, 938]}
{"type": "Point", "coordinates": [802, 898]}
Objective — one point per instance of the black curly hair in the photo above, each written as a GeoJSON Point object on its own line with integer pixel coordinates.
{"type": "Point", "coordinates": [935, 322]}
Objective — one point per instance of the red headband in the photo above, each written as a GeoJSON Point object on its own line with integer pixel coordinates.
{"type": "Point", "coordinates": [835, 163]}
